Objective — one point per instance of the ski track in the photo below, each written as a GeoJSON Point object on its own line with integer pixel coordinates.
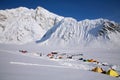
{"type": "Point", "coordinates": [39, 65]}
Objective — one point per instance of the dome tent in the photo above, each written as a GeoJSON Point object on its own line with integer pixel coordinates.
{"type": "Point", "coordinates": [113, 73]}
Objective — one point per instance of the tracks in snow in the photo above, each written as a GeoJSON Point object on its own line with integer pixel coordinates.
{"type": "Point", "coordinates": [39, 65]}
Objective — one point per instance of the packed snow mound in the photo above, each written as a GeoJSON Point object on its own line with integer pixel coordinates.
{"type": "Point", "coordinates": [23, 25]}
{"type": "Point", "coordinates": [70, 32]}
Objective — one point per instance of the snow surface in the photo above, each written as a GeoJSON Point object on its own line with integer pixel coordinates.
{"type": "Point", "coordinates": [17, 66]}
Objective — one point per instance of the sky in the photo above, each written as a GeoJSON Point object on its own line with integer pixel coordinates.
{"type": "Point", "coordinates": [78, 9]}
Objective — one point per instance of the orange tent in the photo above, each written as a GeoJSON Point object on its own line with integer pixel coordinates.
{"type": "Point", "coordinates": [91, 60]}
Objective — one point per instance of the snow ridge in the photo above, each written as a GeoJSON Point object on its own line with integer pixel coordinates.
{"type": "Point", "coordinates": [71, 32]}
{"type": "Point", "coordinates": [23, 25]}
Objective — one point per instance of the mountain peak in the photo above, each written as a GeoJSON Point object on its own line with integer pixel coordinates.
{"type": "Point", "coordinates": [25, 25]}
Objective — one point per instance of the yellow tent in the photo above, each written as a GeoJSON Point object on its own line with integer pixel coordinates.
{"type": "Point", "coordinates": [113, 73]}
{"type": "Point", "coordinates": [97, 69]}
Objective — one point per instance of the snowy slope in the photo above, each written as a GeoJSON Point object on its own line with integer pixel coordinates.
{"type": "Point", "coordinates": [23, 25]}
{"type": "Point", "coordinates": [86, 32]}
{"type": "Point", "coordinates": [15, 66]}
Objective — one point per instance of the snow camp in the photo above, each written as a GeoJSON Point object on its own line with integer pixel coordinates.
{"type": "Point", "coordinates": [59, 40]}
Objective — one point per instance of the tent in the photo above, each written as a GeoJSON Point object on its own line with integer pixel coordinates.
{"type": "Point", "coordinates": [50, 55]}
{"type": "Point", "coordinates": [60, 57]}
{"type": "Point", "coordinates": [91, 60]}
{"type": "Point", "coordinates": [113, 73]}
{"type": "Point", "coordinates": [97, 69]}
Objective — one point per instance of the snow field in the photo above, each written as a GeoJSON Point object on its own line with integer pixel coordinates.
{"type": "Point", "coordinates": [74, 63]}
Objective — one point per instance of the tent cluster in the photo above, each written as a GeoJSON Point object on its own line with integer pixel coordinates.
{"type": "Point", "coordinates": [110, 72]}
{"type": "Point", "coordinates": [90, 60]}
{"type": "Point", "coordinates": [56, 55]}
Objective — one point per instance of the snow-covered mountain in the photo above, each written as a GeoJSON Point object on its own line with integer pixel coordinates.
{"type": "Point", "coordinates": [22, 25]}
{"type": "Point", "coordinates": [70, 32]}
